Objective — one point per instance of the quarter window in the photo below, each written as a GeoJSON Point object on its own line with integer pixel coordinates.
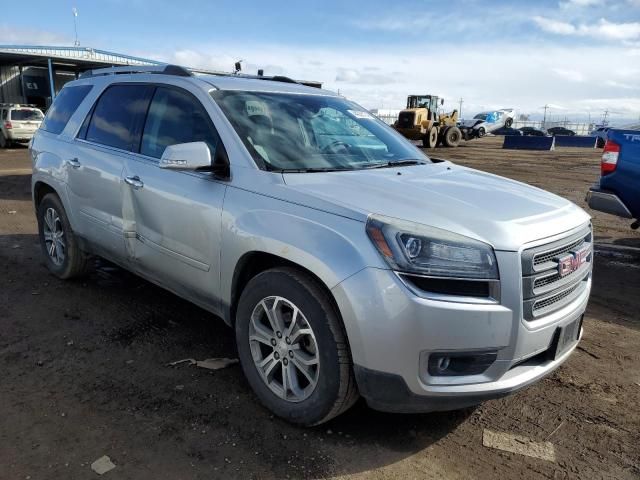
{"type": "Point", "coordinates": [63, 107]}
{"type": "Point", "coordinates": [117, 115]}
{"type": "Point", "coordinates": [175, 116]}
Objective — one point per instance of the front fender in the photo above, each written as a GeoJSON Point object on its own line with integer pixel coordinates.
{"type": "Point", "coordinates": [330, 246]}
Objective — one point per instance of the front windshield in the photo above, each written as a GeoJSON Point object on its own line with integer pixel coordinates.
{"type": "Point", "coordinates": [294, 132]}
{"type": "Point", "coordinates": [481, 116]}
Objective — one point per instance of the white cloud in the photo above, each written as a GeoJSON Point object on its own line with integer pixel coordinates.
{"type": "Point", "coordinates": [569, 75]}
{"type": "Point", "coordinates": [382, 78]}
{"type": "Point", "coordinates": [582, 3]}
{"type": "Point", "coordinates": [554, 26]}
{"type": "Point", "coordinates": [603, 29]}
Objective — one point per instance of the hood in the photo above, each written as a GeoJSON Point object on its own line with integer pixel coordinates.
{"type": "Point", "coordinates": [502, 212]}
{"type": "Point", "coordinates": [472, 122]}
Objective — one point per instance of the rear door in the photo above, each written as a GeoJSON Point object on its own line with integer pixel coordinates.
{"type": "Point", "coordinates": [110, 132]}
{"type": "Point", "coordinates": [173, 218]}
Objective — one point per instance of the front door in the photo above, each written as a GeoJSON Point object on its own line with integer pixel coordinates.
{"type": "Point", "coordinates": [172, 218]}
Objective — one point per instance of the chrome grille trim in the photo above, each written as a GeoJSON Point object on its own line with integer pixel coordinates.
{"type": "Point", "coordinates": [544, 290]}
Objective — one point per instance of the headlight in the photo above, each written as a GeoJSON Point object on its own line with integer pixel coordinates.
{"type": "Point", "coordinates": [415, 248]}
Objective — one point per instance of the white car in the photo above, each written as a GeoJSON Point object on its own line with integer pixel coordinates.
{"type": "Point", "coordinates": [18, 123]}
{"type": "Point", "coordinates": [487, 122]}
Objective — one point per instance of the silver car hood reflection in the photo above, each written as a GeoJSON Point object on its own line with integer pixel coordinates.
{"type": "Point", "coordinates": [493, 209]}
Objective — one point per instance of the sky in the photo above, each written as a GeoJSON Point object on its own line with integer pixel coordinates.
{"type": "Point", "coordinates": [580, 57]}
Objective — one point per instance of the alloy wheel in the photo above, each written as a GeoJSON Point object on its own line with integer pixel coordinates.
{"type": "Point", "coordinates": [54, 236]}
{"type": "Point", "coordinates": [284, 348]}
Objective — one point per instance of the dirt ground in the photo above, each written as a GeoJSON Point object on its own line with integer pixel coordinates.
{"type": "Point", "coordinates": [83, 373]}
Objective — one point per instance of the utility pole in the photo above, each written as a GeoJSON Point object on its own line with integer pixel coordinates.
{"type": "Point", "coordinates": [460, 109]}
{"type": "Point", "coordinates": [544, 119]}
{"type": "Point", "coordinates": [604, 118]}
{"type": "Point", "coordinates": [74, 10]}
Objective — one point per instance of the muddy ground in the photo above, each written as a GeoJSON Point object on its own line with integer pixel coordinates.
{"type": "Point", "coordinates": [83, 373]}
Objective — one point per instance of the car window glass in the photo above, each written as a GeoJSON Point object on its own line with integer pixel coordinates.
{"type": "Point", "coordinates": [116, 114]}
{"type": "Point", "coordinates": [174, 117]}
{"type": "Point", "coordinates": [4, 115]}
{"type": "Point", "coordinates": [63, 107]}
{"type": "Point", "coordinates": [25, 114]}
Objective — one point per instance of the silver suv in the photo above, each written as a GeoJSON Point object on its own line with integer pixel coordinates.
{"type": "Point", "coordinates": [347, 262]}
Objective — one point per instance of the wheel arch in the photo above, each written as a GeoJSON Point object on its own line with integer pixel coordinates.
{"type": "Point", "coordinates": [255, 262]}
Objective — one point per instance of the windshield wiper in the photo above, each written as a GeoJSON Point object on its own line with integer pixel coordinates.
{"type": "Point", "coordinates": [397, 163]}
{"type": "Point", "coordinates": [313, 169]}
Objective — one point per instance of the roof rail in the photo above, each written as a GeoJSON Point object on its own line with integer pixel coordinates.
{"type": "Point", "coordinates": [162, 69]}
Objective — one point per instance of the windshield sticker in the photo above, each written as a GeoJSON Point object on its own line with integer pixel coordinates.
{"type": "Point", "coordinates": [256, 108]}
{"type": "Point", "coordinates": [361, 114]}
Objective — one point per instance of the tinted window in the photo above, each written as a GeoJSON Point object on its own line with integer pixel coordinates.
{"type": "Point", "coordinates": [4, 114]}
{"type": "Point", "coordinates": [117, 114]}
{"type": "Point", "coordinates": [175, 116]}
{"type": "Point", "coordinates": [26, 114]}
{"type": "Point", "coordinates": [63, 107]}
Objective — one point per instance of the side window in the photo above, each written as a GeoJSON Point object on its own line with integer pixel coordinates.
{"type": "Point", "coordinates": [117, 114]}
{"type": "Point", "coordinates": [63, 107]}
{"type": "Point", "coordinates": [4, 114]}
{"type": "Point", "coordinates": [175, 116]}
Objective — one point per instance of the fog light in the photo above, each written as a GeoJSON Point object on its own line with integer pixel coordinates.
{"type": "Point", "coordinates": [460, 363]}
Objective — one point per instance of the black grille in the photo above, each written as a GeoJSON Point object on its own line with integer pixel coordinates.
{"type": "Point", "coordinates": [406, 119]}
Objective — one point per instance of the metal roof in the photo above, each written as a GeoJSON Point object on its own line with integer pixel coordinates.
{"type": "Point", "coordinates": [68, 56]}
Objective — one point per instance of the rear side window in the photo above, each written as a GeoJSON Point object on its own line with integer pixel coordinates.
{"type": "Point", "coordinates": [117, 116]}
{"type": "Point", "coordinates": [175, 116]}
{"type": "Point", "coordinates": [63, 107]}
{"type": "Point", "coordinates": [4, 114]}
{"type": "Point", "coordinates": [26, 114]}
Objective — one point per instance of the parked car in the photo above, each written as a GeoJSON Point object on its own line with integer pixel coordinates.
{"type": "Point", "coordinates": [555, 131]}
{"type": "Point", "coordinates": [347, 265]}
{"type": "Point", "coordinates": [618, 190]}
{"type": "Point", "coordinates": [18, 123]}
{"type": "Point", "coordinates": [601, 134]}
{"type": "Point", "coordinates": [507, 131]}
{"type": "Point", "coordinates": [487, 122]}
{"type": "Point", "coordinates": [533, 132]}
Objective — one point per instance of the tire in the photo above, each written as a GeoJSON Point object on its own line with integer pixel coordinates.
{"type": "Point", "coordinates": [334, 388]}
{"type": "Point", "coordinates": [65, 260]}
{"type": "Point", "coordinates": [481, 132]}
{"type": "Point", "coordinates": [3, 141]}
{"type": "Point", "coordinates": [508, 122]}
{"type": "Point", "coordinates": [430, 140]}
{"type": "Point", "coordinates": [452, 137]}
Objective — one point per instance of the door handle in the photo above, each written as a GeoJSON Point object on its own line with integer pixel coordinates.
{"type": "Point", "coordinates": [73, 162]}
{"type": "Point", "coordinates": [135, 182]}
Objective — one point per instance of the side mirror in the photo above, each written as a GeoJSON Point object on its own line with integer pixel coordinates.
{"type": "Point", "coordinates": [186, 156]}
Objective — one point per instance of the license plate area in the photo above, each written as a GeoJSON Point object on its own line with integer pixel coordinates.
{"type": "Point", "coordinates": [567, 336]}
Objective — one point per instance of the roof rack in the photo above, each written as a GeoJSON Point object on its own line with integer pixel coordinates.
{"type": "Point", "coordinates": [162, 69]}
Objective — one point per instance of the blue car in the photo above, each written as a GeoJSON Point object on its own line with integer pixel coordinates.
{"type": "Point", "coordinates": [618, 190]}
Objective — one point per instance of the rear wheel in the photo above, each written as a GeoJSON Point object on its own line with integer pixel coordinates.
{"type": "Point", "coordinates": [3, 141]}
{"type": "Point", "coordinates": [508, 123]}
{"type": "Point", "coordinates": [430, 140]}
{"type": "Point", "coordinates": [293, 348]}
{"type": "Point", "coordinates": [59, 245]}
{"type": "Point", "coordinates": [452, 137]}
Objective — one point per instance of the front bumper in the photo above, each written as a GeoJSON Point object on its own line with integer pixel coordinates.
{"type": "Point", "coordinates": [392, 332]}
{"type": "Point", "coordinates": [607, 202]}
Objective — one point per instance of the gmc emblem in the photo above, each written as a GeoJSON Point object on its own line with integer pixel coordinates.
{"type": "Point", "coordinates": [573, 261]}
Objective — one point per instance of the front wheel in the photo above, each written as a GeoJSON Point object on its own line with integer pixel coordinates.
{"type": "Point", "coordinates": [293, 348]}
{"type": "Point", "coordinates": [481, 132]}
{"type": "Point", "coordinates": [430, 140]}
{"type": "Point", "coordinates": [452, 137]}
{"type": "Point", "coordinates": [59, 245]}
{"type": "Point", "coordinates": [508, 123]}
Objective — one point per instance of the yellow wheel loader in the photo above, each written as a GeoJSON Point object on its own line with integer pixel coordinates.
{"type": "Point", "coordinates": [421, 121]}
